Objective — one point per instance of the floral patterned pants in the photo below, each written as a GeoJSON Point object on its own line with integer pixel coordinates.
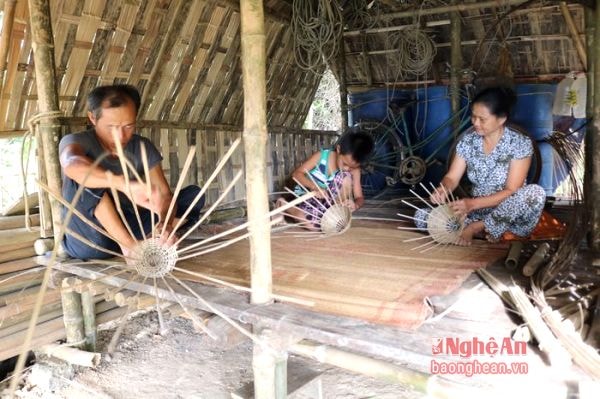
{"type": "Point", "coordinates": [518, 213]}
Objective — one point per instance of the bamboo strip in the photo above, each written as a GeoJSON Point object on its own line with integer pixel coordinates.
{"type": "Point", "coordinates": [579, 46]}
{"type": "Point", "coordinates": [556, 353]}
{"type": "Point", "coordinates": [18, 280]}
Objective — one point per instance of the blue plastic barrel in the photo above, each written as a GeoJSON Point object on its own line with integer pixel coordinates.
{"type": "Point", "coordinates": [373, 105]}
{"type": "Point", "coordinates": [431, 111]}
{"type": "Point", "coordinates": [554, 169]}
{"type": "Point", "coordinates": [533, 110]}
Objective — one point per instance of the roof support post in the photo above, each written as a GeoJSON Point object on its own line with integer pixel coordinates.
{"type": "Point", "coordinates": [455, 63]}
{"type": "Point", "coordinates": [7, 27]}
{"type": "Point", "coordinates": [342, 82]}
{"type": "Point", "coordinates": [594, 192]}
{"type": "Point", "coordinates": [574, 34]}
{"type": "Point", "coordinates": [255, 146]}
{"type": "Point", "coordinates": [589, 110]}
{"type": "Point", "coordinates": [48, 106]}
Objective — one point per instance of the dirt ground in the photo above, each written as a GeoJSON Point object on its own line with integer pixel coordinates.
{"type": "Point", "coordinates": [180, 364]}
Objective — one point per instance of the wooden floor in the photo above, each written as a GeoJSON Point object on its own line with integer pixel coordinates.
{"type": "Point", "coordinates": [371, 272]}
{"type": "Point", "coordinates": [470, 311]}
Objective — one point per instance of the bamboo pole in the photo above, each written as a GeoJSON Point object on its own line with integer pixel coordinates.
{"type": "Point", "coordinates": [88, 307]}
{"type": "Point", "coordinates": [595, 146]}
{"type": "Point", "coordinates": [362, 364]}
{"type": "Point", "coordinates": [45, 72]}
{"type": "Point", "coordinates": [455, 7]}
{"type": "Point", "coordinates": [589, 110]}
{"type": "Point", "coordinates": [255, 146]}
{"type": "Point", "coordinates": [455, 63]}
{"type": "Point", "coordinates": [270, 368]}
{"type": "Point", "coordinates": [514, 253]}
{"type": "Point", "coordinates": [18, 221]}
{"type": "Point", "coordinates": [536, 259]}
{"type": "Point", "coordinates": [574, 34]}
{"type": "Point", "coordinates": [7, 27]}
{"type": "Point", "coordinates": [71, 355]}
{"type": "Point", "coordinates": [343, 86]}
{"type": "Point", "coordinates": [73, 318]}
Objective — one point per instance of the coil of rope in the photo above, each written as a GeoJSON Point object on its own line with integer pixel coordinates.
{"type": "Point", "coordinates": [417, 51]}
{"type": "Point", "coordinates": [361, 14]}
{"type": "Point", "coordinates": [317, 28]}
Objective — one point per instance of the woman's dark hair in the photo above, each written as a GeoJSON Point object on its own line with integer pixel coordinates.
{"type": "Point", "coordinates": [357, 143]}
{"type": "Point", "coordinates": [499, 100]}
{"type": "Point", "coordinates": [112, 97]}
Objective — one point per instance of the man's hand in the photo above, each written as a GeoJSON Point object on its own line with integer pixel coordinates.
{"type": "Point", "coordinates": [156, 201]}
{"type": "Point", "coordinates": [164, 238]}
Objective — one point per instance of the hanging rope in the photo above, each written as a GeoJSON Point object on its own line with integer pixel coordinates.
{"type": "Point", "coordinates": [28, 137]}
{"type": "Point", "coordinates": [361, 14]}
{"type": "Point", "coordinates": [317, 29]}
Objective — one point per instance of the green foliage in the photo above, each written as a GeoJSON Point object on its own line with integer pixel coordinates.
{"type": "Point", "coordinates": [325, 111]}
{"type": "Point", "coordinates": [11, 182]}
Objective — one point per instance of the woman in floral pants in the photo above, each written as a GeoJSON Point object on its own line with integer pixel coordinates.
{"type": "Point", "coordinates": [496, 159]}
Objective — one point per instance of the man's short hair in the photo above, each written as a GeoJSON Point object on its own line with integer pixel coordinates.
{"type": "Point", "coordinates": [112, 96]}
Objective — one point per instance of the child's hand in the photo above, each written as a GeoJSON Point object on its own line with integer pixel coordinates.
{"type": "Point", "coordinates": [321, 194]}
{"type": "Point", "coordinates": [350, 204]}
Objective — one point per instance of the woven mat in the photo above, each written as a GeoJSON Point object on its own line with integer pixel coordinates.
{"type": "Point", "coordinates": [367, 273]}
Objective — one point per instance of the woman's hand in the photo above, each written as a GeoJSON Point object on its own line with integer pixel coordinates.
{"type": "Point", "coordinates": [462, 207]}
{"type": "Point", "coordinates": [439, 196]}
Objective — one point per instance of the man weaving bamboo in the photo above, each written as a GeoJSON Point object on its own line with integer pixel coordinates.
{"type": "Point", "coordinates": [90, 158]}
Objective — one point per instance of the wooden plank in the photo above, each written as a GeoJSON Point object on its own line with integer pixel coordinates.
{"type": "Point", "coordinates": [361, 336]}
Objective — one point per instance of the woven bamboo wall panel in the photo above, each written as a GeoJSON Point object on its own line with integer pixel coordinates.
{"type": "Point", "coordinates": [287, 150]}
{"type": "Point", "coordinates": [183, 55]}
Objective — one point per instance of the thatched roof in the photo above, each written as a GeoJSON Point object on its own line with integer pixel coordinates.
{"type": "Point", "coordinates": [185, 55]}
{"type": "Point", "coordinates": [531, 37]}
